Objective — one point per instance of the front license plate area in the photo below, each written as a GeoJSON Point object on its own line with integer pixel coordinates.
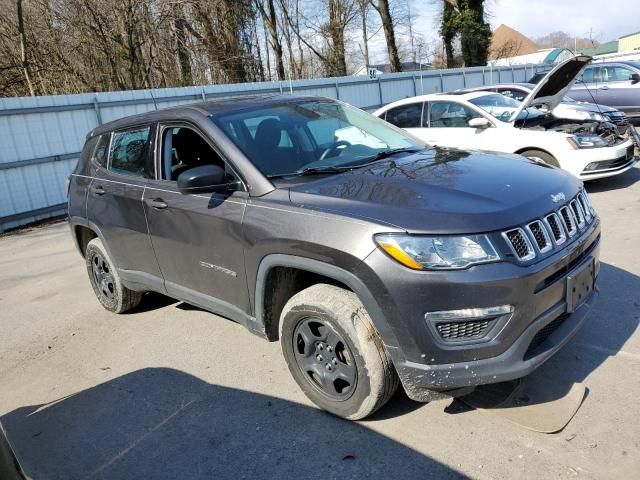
{"type": "Point", "coordinates": [580, 285]}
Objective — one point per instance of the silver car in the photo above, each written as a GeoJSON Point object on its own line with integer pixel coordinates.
{"type": "Point", "coordinates": [611, 83]}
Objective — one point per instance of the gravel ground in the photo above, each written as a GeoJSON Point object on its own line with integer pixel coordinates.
{"type": "Point", "coordinates": [171, 391]}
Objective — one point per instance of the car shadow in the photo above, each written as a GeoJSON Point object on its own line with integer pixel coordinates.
{"type": "Point", "coordinates": [614, 318]}
{"type": "Point", "coordinates": [624, 180]}
{"type": "Point", "coordinates": [164, 423]}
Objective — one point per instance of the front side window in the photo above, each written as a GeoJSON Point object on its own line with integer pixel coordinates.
{"type": "Point", "coordinates": [406, 116]}
{"type": "Point", "coordinates": [518, 95]}
{"type": "Point", "coordinates": [289, 137]}
{"type": "Point", "coordinates": [182, 149]}
{"type": "Point", "coordinates": [452, 114]}
{"type": "Point", "coordinates": [129, 154]}
{"type": "Point", "coordinates": [615, 74]}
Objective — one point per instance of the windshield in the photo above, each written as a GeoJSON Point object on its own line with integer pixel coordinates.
{"type": "Point", "coordinates": [502, 107]}
{"type": "Point", "coordinates": [291, 137]}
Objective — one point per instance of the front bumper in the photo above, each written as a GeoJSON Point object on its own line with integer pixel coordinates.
{"type": "Point", "coordinates": [592, 163]}
{"type": "Point", "coordinates": [538, 293]}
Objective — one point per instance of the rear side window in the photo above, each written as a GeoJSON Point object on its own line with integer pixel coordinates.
{"type": "Point", "coordinates": [101, 152]}
{"type": "Point", "coordinates": [405, 116]}
{"type": "Point", "coordinates": [587, 76]}
{"type": "Point", "coordinates": [129, 153]}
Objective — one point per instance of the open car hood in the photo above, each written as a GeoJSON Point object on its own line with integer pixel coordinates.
{"type": "Point", "coordinates": [550, 91]}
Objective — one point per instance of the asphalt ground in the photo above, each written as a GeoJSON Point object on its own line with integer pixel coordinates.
{"type": "Point", "coordinates": [171, 391]}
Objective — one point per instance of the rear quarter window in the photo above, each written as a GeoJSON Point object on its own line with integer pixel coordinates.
{"type": "Point", "coordinates": [101, 153]}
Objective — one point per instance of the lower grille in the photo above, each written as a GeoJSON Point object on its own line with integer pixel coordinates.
{"type": "Point", "coordinates": [463, 330]}
{"type": "Point", "coordinates": [542, 335]}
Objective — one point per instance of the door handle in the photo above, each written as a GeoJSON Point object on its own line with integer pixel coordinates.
{"type": "Point", "coordinates": [604, 88]}
{"type": "Point", "coordinates": [97, 190]}
{"type": "Point", "coordinates": [157, 203]}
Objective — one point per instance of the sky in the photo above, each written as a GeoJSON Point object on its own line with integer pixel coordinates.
{"type": "Point", "coordinates": [609, 19]}
{"type": "Point", "coordinates": [605, 19]}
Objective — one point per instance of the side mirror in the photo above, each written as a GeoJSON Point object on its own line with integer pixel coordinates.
{"type": "Point", "coordinates": [635, 78]}
{"type": "Point", "coordinates": [203, 179]}
{"type": "Point", "coordinates": [479, 122]}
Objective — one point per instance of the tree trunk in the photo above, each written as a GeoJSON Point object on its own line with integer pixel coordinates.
{"type": "Point", "coordinates": [270, 20]}
{"type": "Point", "coordinates": [24, 57]}
{"type": "Point", "coordinates": [365, 40]}
{"type": "Point", "coordinates": [184, 58]}
{"type": "Point", "coordinates": [389, 34]}
{"type": "Point", "coordinates": [338, 64]}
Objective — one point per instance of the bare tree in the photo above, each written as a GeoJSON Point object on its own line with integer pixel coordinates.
{"type": "Point", "coordinates": [382, 7]}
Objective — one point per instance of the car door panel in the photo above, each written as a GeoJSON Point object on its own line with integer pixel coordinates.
{"type": "Point", "coordinates": [197, 238]}
{"type": "Point", "coordinates": [114, 208]}
{"type": "Point", "coordinates": [198, 243]}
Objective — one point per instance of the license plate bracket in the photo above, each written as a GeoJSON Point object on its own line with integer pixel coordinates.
{"type": "Point", "coordinates": [580, 285]}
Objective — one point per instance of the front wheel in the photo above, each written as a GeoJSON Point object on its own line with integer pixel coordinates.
{"type": "Point", "coordinates": [540, 156]}
{"type": "Point", "coordinates": [335, 353]}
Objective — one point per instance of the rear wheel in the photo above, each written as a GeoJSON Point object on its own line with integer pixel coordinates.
{"type": "Point", "coordinates": [334, 352]}
{"type": "Point", "coordinates": [541, 156]}
{"type": "Point", "coordinates": [106, 282]}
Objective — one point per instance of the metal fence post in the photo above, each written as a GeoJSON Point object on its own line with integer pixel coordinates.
{"type": "Point", "coordinates": [380, 91]}
{"type": "Point", "coordinates": [337, 89]}
{"type": "Point", "coordinates": [415, 90]}
{"type": "Point", "coordinates": [96, 108]}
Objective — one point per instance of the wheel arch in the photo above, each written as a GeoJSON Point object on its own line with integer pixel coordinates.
{"type": "Point", "coordinates": [268, 316]}
{"type": "Point", "coordinates": [524, 149]}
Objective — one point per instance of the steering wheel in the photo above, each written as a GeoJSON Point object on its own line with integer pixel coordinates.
{"type": "Point", "coordinates": [333, 148]}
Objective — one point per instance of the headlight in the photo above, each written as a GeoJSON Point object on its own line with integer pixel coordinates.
{"type": "Point", "coordinates": [587, 141]}
{"type": "Point", "coordinates": [581, 115]}
{"type": "Point", "coordinates": [445, 252]}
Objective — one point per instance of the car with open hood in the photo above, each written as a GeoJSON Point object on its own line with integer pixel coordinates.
{"type": "Point", "coordinates": [374, 259]}
{"type": "Point", "coordinates": [567, 109]}
{"type": "Point", "coordinates": [589, 149]}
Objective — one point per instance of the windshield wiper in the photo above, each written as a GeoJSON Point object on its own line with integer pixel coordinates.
{"type": "Point", "coordinates": [345, 168]}
{"type": "Point", "coordinates": [387, 153]}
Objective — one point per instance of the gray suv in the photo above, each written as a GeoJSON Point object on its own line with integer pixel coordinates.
{"type": "Point", "coordinates": [611, 83]}
{"type": "Point", "coordinates": [374, 259]}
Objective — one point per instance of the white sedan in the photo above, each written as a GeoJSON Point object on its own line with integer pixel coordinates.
{"type": "Point", "coordinates": [491, 121]}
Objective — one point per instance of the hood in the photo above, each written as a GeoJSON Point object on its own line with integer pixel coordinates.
{"type": "Point", "coordinates": [441, 191]}
{"type": "Point", "coordinates": [588, 107]}
{"type": "Point", "coordinates": [550, 91]}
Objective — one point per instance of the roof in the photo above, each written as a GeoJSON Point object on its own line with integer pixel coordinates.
{"type": "Point", "coordinates": [211, 107]}
{"type": "Point", "coordinates": [505, 41]}
{"type": "Point", "coordinates": [630, 35]}
{"type": "Point", "coordinates": [608, 47]}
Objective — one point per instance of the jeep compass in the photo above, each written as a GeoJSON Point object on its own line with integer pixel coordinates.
{"type": "Point", "coordinates": [373, 258]}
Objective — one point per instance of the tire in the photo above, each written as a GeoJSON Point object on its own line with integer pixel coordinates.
{"type": "Point", "coordinates": [106, 282]}
{"type": "Point", "coordinates": [355, 376]}
{"type": "Point", "coordinates": [541, 156]}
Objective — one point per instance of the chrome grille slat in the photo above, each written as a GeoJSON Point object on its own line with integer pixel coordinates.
{"type": "Point", "coordinates": [578, 214]}
{"type": "Point", "coordinates": [553, 230]}
{"type": "Point", "coordinates": [568, 221]}
{"type": "Point", "coordinates": [520, 244]}
{"type": "Point", "coordinates": [540, 236]}
{"type": "Point", "coordinates": [555, 226]}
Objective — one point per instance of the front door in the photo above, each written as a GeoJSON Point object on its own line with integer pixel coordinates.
{"type": "Point", "coordinates": [197, 238]}
{"type": "Point", "coordinates": [448, 126]}
{"type": "Point", "coordinates": [121, 167]}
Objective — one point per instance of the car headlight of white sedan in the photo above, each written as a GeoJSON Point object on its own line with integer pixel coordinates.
{"type": "Point", "coordinates": [587, 141]}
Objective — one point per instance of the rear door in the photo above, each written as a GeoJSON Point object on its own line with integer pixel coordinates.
{"type": "Point", "coordinates": [408, 116]}
{"type": "Point", "coordinates": [585, 88]}
{"type": "Point", "coordinates": [123, 166]}
{"type": "Point", "coordinates": [197, 237]}
{"type": "Point", "coordinates": [616, 90]}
